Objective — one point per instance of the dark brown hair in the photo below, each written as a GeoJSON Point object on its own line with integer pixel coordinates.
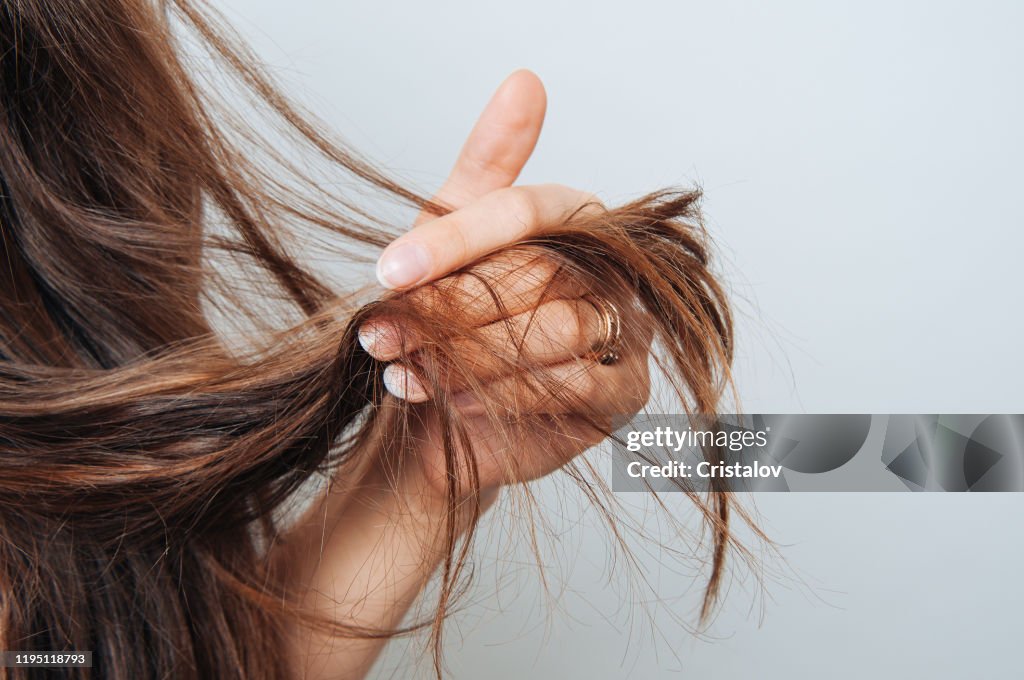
{"type": "Point", "coordinates": [141, 221]}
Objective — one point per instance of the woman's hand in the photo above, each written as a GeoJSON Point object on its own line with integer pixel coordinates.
{"type": "Point", "coordinates": [489, 214]}
{"type": "Point", "coordinates": [367, 553]}
{"type": "Point", "coordinates": [517, 316]}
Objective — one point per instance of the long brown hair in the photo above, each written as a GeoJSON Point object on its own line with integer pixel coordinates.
{"type": "Point", "coordinates": [144, 453]}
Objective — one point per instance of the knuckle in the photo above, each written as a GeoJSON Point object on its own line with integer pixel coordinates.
{"type": "Point", "coordinates": [521, 204]}
{"type": "Point", "coordinates": [576, 203]}
{"type": "Point", "coordinates": [471, 290]}
{"type": "Point", "coordinates": [563, 328]}
{"type": "Point", "coordinates": [590, 204]}
{"type": "Point", "coordinates": [453, 235]}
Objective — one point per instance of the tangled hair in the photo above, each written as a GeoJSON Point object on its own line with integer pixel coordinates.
{"type": "Point", "coordinates": [144, 452]}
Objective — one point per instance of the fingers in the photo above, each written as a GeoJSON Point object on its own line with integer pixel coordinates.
{"type": "Point", "coordinates": [554, 332]}
{"type": "Point", "coordinates": [498, 219]}
{"type": "Point", "coordinates": [504, 287]}
{"type": "Point", "coordinates": [579, 386]}
{"type": "Point", "coordinates": [558, 336]}
{"type": "Point", "coordinates": [590, 387]}
{"type": "Point", "coordinates": [499, 145]}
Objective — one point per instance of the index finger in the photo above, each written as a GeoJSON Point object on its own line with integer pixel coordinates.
{"type": "Point", "coordinates": [500, 218]}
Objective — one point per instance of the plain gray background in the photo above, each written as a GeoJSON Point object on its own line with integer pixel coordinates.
{"type": "Point", "coordinates": [862, 169]}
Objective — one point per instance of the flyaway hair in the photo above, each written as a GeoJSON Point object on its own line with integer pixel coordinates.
{"type": "Point", "coordinates": [144, 458]}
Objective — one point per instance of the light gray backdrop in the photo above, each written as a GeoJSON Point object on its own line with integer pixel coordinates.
{"type": "Point", "coordinates": [862, 166]}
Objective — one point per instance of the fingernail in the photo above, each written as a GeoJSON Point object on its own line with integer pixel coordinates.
{"type": "Point", "coordinates": [377, 338]}
{"type": "Point", "coordinates": [403, 265]}
{"type": "Point", "coordinates": [400, 382]}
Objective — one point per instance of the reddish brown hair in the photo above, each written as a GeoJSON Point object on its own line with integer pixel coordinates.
{"type": "Point", "coordinates": [139, 220]}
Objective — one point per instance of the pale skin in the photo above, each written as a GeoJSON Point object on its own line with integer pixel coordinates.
{"type": "Point", "coordinates": [367, 554]}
